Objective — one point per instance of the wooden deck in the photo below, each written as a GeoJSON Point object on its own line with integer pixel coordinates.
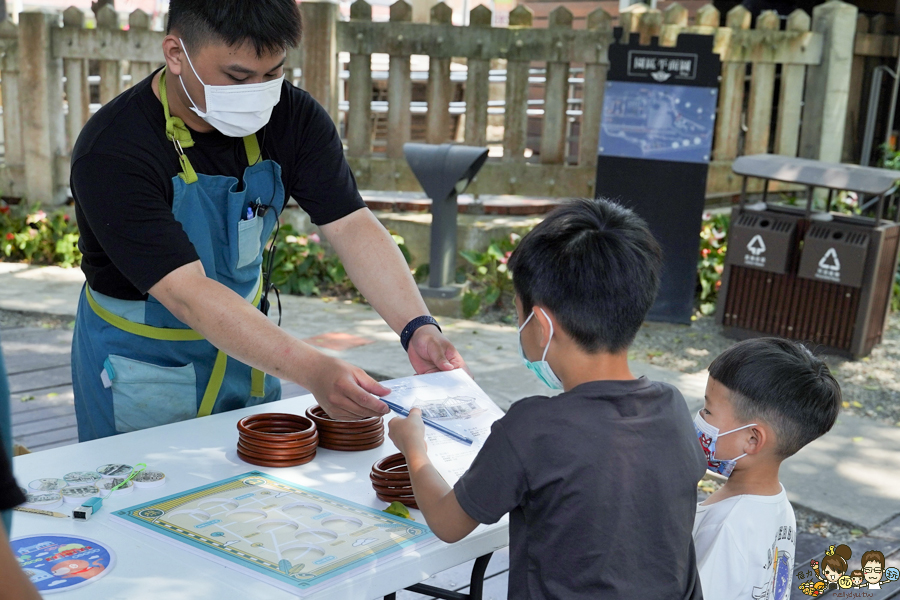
{"type": "Point", "coordinates": [38, 363]}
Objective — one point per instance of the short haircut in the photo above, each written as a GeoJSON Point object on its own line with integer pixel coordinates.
{"type": "Point", "coordinates": [872, 556]}
{"type": "Point", "coordinates": [856, 573]}
{"type": "Point", "coordinates": [595, 265]}
{"type": "Point", "coordinates": [783, 384]}
{"type": "Point", "coordinates": [270, 25]}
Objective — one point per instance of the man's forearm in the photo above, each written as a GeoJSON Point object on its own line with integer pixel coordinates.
{"type": "Point", "coordinates": [237, 328]}
{"type": "Point", "coordinates": [377, 267]}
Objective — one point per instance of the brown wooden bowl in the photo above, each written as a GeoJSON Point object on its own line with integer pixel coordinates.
{"type": "Point", "coordinates": [275, 463]}
{"type": "Point", "coordinates": [346, 436]}
{"type": "Point", "coordinates": [277, 427]}
{"type": "Point", "coordinates": [317, 414]}
{"type": "Point", "coordinates": [277, 440]}
{"type": "Point", "coordinates": [352, 447]}
{"type": "Point", "coordinates": [390, 480]}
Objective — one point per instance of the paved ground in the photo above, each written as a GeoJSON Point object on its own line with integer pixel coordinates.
{"type": "Point", "coordinates": [850, 475]}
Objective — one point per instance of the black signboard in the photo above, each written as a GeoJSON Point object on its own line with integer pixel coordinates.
{"type": "Point", "coordinates": [656, 138]}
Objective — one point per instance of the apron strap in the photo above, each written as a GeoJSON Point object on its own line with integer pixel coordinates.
{"type": "Point", "coordinates": [257, 377]}
{"type": "Point", "coordinates": [178, 133]}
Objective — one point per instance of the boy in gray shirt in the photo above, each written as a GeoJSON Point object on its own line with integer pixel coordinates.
{"type": "Point", "coordinates": [600, 482]}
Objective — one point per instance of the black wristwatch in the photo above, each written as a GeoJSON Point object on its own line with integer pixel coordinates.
{"type": "Point", "coordinates": [412, 326]}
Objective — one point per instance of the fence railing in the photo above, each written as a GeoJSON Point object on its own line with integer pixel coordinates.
{"type": "Point", "coordinates": [785, 87]}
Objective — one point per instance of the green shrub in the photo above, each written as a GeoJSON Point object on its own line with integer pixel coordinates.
{"type": "Point", "coordinates": [303, 266]}
{"type": "Point", "coordinates": [713, 246]}
{"type": "Point", "coordinates": [490, 282]}
{"type": "Point", "coordinates": [28, 234]}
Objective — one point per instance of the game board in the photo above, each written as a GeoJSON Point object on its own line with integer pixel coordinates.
{"type": "Point", "coordinates": [298, 539]}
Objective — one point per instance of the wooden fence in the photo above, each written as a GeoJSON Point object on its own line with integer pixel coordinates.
{"type": "Point", "coordinates": [792, 98]}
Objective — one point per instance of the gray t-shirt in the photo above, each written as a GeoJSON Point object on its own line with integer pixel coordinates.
{"type": "Point", "coordinates": [601, 486]}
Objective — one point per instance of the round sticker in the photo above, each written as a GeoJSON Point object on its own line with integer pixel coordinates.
{"type": "Point", "coordinates": [892, 574]}
{"type": "Point", "coordinates": [78, 494]}
{"type": "Point", "coordinates": [82, 477]}
{"type": "Point", "coordinates": [43, 500]}
{"type": "Point", "coordinates": [47, 485]}
{"type": "Point", "coordinates": [150, 479]}
{"type": "Point", "coordinates": [57, 563]}
{"type": "Point", "coordinates": [108, 484]}
{"type": "Point", "coordinates": [114, 470]}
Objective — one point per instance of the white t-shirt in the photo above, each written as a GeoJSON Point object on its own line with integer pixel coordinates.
{"type": "Point", "coordinates": [745, 547]}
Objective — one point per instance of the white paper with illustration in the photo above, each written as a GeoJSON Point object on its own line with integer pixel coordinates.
{"type": "Point", "coordinates": [453, 400]}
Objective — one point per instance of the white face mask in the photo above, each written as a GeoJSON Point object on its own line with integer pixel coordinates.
{"type": "Point", "coordinates": [236, 110]}
{"type": "Point", "coordinates": [708, 435]}
{"type": "Point", "coordinates": [541, 368]}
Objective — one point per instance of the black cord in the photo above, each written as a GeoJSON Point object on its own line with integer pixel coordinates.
{"type": "Point", "coordinates": [273, 248]}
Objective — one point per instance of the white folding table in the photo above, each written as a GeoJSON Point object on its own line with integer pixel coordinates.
{"type": "Point", "coordinates": [202, 451]}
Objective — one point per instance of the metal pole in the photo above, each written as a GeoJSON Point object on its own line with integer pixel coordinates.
{"type": "Point", "coordinates": [871, 115]}
{"type": "Point", "coordinates": [443, 241]}
{"type": "Point", "coordinates": [893, 105]}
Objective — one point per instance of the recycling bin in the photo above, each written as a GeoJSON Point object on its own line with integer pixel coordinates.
{"type": "Point", "coordinates": [816, 276]}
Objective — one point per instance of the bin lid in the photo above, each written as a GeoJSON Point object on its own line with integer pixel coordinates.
{"type": "Point", "coordinates": [837, 176]}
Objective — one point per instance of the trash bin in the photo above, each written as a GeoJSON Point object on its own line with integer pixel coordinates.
{"type": "Point", "coordinates": [814, 276]}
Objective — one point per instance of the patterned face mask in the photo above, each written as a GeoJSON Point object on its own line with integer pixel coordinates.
{"type": "Point", "coordinates": [708, 434]}
{"type": "Point", "coordinates": [541, 368]}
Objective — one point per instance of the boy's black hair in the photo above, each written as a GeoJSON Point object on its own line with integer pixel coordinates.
{"type": "Point", "coordinates": [782, 383]}
{"type": "Point", "coordinates": [270, 25]}
{"type": "Point", "coordinates": [596, 266]}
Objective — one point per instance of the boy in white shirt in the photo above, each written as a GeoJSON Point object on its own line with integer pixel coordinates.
{"type": "Point", "coordinates": [765, 399]}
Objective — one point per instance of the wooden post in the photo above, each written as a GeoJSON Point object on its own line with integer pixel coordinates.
{"type": "Point", "coordinates": [76, 80]}
{"type": "Point", "coordinates": [556, 96]}
{"type": "Point", "coordinates": [399, 90]}
{"type": "Point", "coordinates": [828, 83]}
{"type": "Point", "coordinates": [438, 92]}
{"type": "Point", "coordinates": [762, 91]}
{"type": "Point", "coordinates": [731, 95]}
{"type": "Point", "coordinates": [110, 70]}
{"type": "Point", "coordinates": [650, 25]}
{"type": "Point", "coordinates": [139, 20]}
{"type": "Point", "coordinates": [853, 129]}
{"type": "Point", "coordinates": [359, 117]}
{"type": "Point", "coordinates": [477, 85]}
{"type": "Point", "coordinates": [787, 132]}
{"type": "Point", "coordinates": [14, 152]}
{"type": "Point", "coordinates": [708, 19]}
{"type": "Point", "coordinates": [320, 53]}
{"type": "Point", "coordinates": [675, 18]}
{"type": "Point", "coordinates": [515, 120]}
{"type": "Point", "coordinates": [630, 17]}
{"type": "Point", "coordinates": [43, 129]}
{"type": "Point", "coordinates": [594, 85]}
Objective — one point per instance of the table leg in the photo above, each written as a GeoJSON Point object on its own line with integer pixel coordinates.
{"type": "Point", "coordinates": [476, 584]}
{"type": "Point", "coordinates": [391, 596]}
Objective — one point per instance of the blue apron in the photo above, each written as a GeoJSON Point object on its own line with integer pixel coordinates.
{"type": "Point", "coordinates": [134, 365]}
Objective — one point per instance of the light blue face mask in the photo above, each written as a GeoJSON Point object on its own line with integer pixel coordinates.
{"type": "Point", "coordinates": [541, 368]}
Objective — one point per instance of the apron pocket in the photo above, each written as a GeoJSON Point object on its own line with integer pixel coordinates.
{"type": "Point", "coordinates": [146, 395]}
{"type": "Point", "coordinates": [249, 243]}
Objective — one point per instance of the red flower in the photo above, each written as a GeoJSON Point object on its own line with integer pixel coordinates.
{"type": "Point", "coordinates": [4, 209]}
{"type": "Point", "coordinates": [66, 218]}
{"type": "Point", "coordinates": [10, 236]}
{"type": "Point", "coordinates": [705, 252]}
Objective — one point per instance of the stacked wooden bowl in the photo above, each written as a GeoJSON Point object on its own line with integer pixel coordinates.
{"type": "Point", "coordinates": [277, 440]}
{"type": "Point", "coordinates": [390, 478]}
{"type": "Point", "coordinates": [348, 436]}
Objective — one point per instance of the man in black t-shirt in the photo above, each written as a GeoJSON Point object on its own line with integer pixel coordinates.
{"type": "Point", "coordinates": [600, 482]}
{"type": "Point", "coordinates": [178, 184]}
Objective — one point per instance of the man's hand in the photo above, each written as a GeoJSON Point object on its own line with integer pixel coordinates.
{"type": "Point", "coordinates": [346, 392]}
{"type": "Point", "coordinates": [431, 352]}
{"type": "Point", "coordinates": [408, 434]}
